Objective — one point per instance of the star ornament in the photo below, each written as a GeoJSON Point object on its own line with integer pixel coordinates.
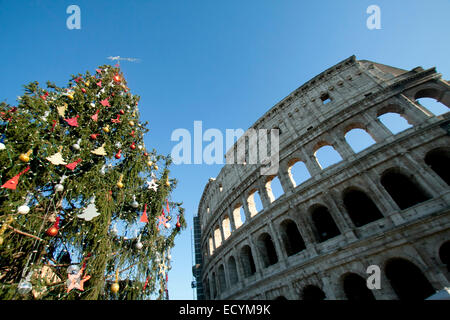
{"type": "Point", "coordinates": [76, 281]}
{"type": "Point", "coordinates": [152, 185]}
{"type": "Point", "coordinates": [161, 221]}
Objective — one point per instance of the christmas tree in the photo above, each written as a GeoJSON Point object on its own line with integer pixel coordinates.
{"type": "Point", "coordinates": [84, 207]}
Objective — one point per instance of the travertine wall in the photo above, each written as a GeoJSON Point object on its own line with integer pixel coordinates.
{"type": "Point", "coordinates": [359, 92]}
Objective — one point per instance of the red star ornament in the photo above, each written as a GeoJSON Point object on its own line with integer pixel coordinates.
{"type": "Point", "coordinates": [72, 165]}
{"type": "Point", "coordinates": [105, 103]}
{"type": "Point", "coordinates": [73, 122]}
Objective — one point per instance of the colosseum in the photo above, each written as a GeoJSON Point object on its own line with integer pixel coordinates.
{"type": "Point", "coordinates": [382, 211]}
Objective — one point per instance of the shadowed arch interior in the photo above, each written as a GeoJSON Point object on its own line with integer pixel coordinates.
{"type": "Point", "coordinates": [232, 271]}
{"type": "Point", "coordinates": [444, 254]}
{"type": "Point", "coordinates": [355, 288]}
{"type": "Point", "coordinates": [324, 224]}
{"type": "Point", "coordinates": [267, 250]}
{"type": "Point", "coordinates": [247, 261]}
{"type": "Point", "coordinates": [292, 239]}
{"type": "Point", "coordinates": [222, 280]}
{"type": "Point", "coordinates": [361, 209]}
{"type": "Point", "coordinates": [313, 293]}
{"type": "Point", "coordinates": [408, 282]}
{"type": "Point", "coordinates": [403, 190]}
{"type": "Point", "coordinates": [439, 161]}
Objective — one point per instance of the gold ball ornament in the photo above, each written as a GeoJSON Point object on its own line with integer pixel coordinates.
{"type": "Point", "coordinates": [120, 185]}
{"type": "Point", "coordinates": [156, 167]}
{"type": "Point", "coordinates": [106, 129]}
{"type": "Point", "coordinates": [150, 163]}
{"type": "Point", "coordinates": [70, 96]}
{"type": "Point", "coordinates": [115, 287]}
{"type": "Point", "coordinates": [167, 183]}
{"type": "Point", "coordinates": [131, 123]}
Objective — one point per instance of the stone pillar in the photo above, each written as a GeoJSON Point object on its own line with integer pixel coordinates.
{"type": "Point", "coordinates": [283, 175]}
{"type": "Point", "coordinates": [282, 256]}
{"type": "Point", "coordinates": [311, 163]}
{"type": "Point", "coordinates": [413, 114]}
{"type": "Point", "coordinates": [230, 214]}
{"type": "Point", "coordinates": [245, 207]}
{"type": "Point", "coordinates": [339, 214]}
{"type": "Point", "coordinates": [266, 201]}
{"type": "Point", "coordinates": [255, 253]}
{"type": "Point", "coordinates": [343, 148]}
{"type": "Point", "coordinates": [328, 287]}
{"type": "Point", "coordinates": [378, 130]}
{"type": "Point", "coordinates": [304, 227]}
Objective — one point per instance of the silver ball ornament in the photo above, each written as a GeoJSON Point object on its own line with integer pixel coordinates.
{"type": "Point", "coordinates": [139, 245]}
{"type": "Point", "coordinates": [59, 187]}
{"type": "Point", "coordinates": [24, 287]}
{"type": "Point", "coordinates": [23, 209]}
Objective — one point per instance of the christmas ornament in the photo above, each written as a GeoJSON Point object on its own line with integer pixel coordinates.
{"type": "Point", "coordinates": [76, 146]}
{"type": "Point", "coordinates": [139, 244]}
{"type": "Point", "coordinates": [117, 120]}
{"type": "Point", "coordinates": [94, 136]}
{"type": "Point", "coordinates": [100, 151]}
{"type": "Point", "coordinates": [105, 102]}
{"type": "Point", "coordinates": [134, 204]}
{"type": "Point", "coordinates": [119, 183]}
{"type": "Point", "coordinates": [2, 145]}
{"type": "Point", "coordinates": [131, 123]}
{"type": "Point", "coordinates": [24, 209]}
{"type": "Point", "coordinates": [73, 122]}
{"type": "Point", "coordinates": [162, 220]}
{"type": "Point", "coordinates": [115, 286]}
{"type": "Point", "coordinates": [106, 129]}
{"type": "Point", "coordinates": [121, 111]}
{"type": "Point", "coordinates": [116, 78]}
{"type": "Point", "coordinates": [53, 230]}
{"type": "Point", "coordinates": [86, 83]}
{"type": "Point", "coordinates": [12, 183]}
{"type": "Point", "coordinates": [57, 158]}
{"type": "Point", "coordinates": [73, 269]}
{"type": "Point", "coordinates": [156, 167]}
{"type": "Point", "coordinates": [149, 163]}
{"type": "Point", "coordinates": [95, 116]}
{"type": "Point", "coordinates": [152, 185]}
{"type": "Point", "coordinates": [102, 170]}
{"type": "Point", "coordinates": [178, 225]}
{"type": "Point", "coordinates": [99, 83]}
{"type": "Point", "coordinates": [24, 287]}
{"type": "Point", "coordinates": [167, 182]}
{"type": "Point", "coordinates": [133, 146]}
{"type": "Point", "coordinates": [90, 212]}
{"type": "Point", "coordinates": [72, 165]}
{"type": "Point", "coordinates": [83, 90]}
{"type": "Point", "coordinates": [25, 157]}
{"type": "Point", "coordinates": [118, 145]}
{"type": "Point", "coordinates": [144, 215]}
{"type": "Point", "coordinates": [77, 280]}
{"type": "Point", "coordinates": [118, 154]}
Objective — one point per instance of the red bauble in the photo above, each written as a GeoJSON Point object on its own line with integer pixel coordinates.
{"type": "Point", "coordinates": [94, 136]}
{"type": "Point", "coordinates": [133, 146]}
{"type": "Point", "coordinates": [83, 89]}
{"type": "Point", "coordinates": [145, 154]}
{"type": "Point", "coordinates": [52, 231]}
{"type": "Point", "coordinates": [121, 111]}
{"type": "Point", "coordinates": [118, 154]}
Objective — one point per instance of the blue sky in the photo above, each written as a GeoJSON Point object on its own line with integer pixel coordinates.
{"type": "Point", "coordinates": [222, 62]}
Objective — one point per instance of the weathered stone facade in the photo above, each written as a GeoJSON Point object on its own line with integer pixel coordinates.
{"type": "Point", "coordinates": [388, 205]}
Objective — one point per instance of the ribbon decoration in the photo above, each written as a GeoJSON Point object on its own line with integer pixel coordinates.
{"type": "Point", "coordinates": [144, 215]}
{"type": "Point", "coordinates": [12, 183]}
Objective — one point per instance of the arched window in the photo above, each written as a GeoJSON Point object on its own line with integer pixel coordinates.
{"type": "Point", "coordinates": [361, 209]}
{"type": "Point", "coordinates": [292, 240]}
{"type": "Point", "coordinates": [274, 188]}
{"type": "Point", "coordinates": [408, 282]}
{"type": "Point", "coordinates": [217, 237]}
{"type": "Point", "coordinates": [232, 270]}
{"type": "Point", "coordinates": [324, 224]}
{"type": "Point", "coordinates": [355, 288]}
{"type": "Point", "coordinates": [444, 254]}
{"type": "Point", "coordinates": [222, 280]}
{"type": "Point", "coordinates": [211, 246]}
{"type": "Point", "coordinates": [327, 156]}
{"type": "Point", "coordinates": [267, 250]}
{"type": "Point", "coordinates": [395, 122]}
{"type": "Point", "coordinates": [439, 160]}
{"type": "Point", "coordinates": [238, 216]}
{"type": "Point", "coordinates": [313, 293]}
{"type": "Point", "coordinates": [298, 173]}
{"type": "Point", "coordinates": [434, 106]}
{"type": "Point", "coordinates": [254, 203]}
{"type": "Point", "coordinates": [247, 261]}
{"type": "Point", "coordinates": [402, 189]}
{"type": "Point", "coordinates": [359, 139]}
{"type": "Point", "coordinates": [226, 227]}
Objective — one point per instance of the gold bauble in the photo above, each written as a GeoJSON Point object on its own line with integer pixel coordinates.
{"type": "Point", "coordinates": [106, 129]}
{"type": "Point", "coordinates": [131, 123]}
{"type": "Point", "coordinates": [156, 167]}
{"type": "Point", "coordinates": [115, 287]}
{"type": "Point", "coordinates": [120, 185]}
{"type": "Point", "coordinates": [150, 163]}
{"type": "Point", "coordinates": [70, 96]}
{"type": "Point", "coordinates": [167, 183]}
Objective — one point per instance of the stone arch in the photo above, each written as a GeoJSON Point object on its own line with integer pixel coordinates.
{"type": "Point", "coordinates": [355, 287]}
{"type": "Point", "coordinates": [252, 202]}
{"type": "Point", "coordinates": [213, 285]}
{"type": "Point", "coordinates": [217, 237]}
{"type": "Point", "coordinates": [238, 215]}
{"type": "Point", "coordinates": [222, 279]}
{"type": "Point", "coordinates": [312, 293]}
{"type": "Point", "coordinates": [444, 254]}
{"type": "Point", "coordinates": [360, 207]}
{"type": "Point", "coordinates": [407, 280]}
{"type": "Point", "coordinates": [273, 184]}
{"type": "Point", "coordinates": [247, 261]}
{"type": "Point", "coordinates": [226, 227]}
{"type": "Point", "coordinates": [298, 172]}
{"type": "Point", "coordinates": [433, 91]}
{"type": "Point", "coordinates": [438, 160]}
{"type": "Point", "coordinates": [232, 271]}
{"type": "Point", "coordinates": [267, 250]}
{"type": "Point", "coordinates": [326, 155]}
{"type": "Point", "coordinates": [324, 224]}
{"type": "Point", "coordinates": [402, 188]}
{"type": "Point", "coordinates": [291, 237]}
{"type": "Point", "coordinates": [359, 139]}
